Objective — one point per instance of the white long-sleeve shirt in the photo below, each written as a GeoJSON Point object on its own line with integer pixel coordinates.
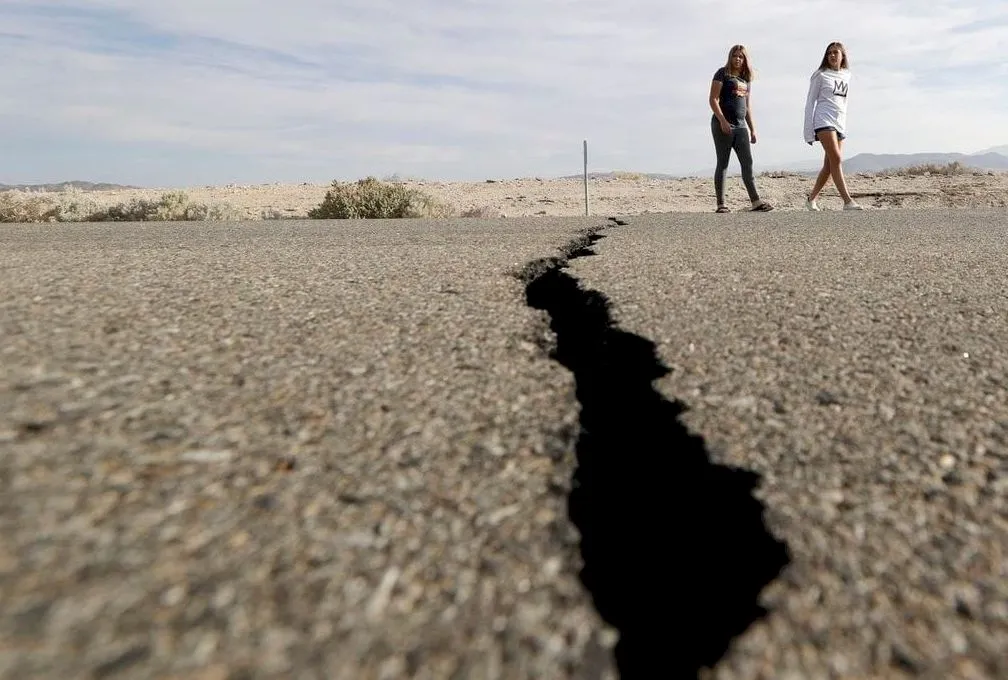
{"type": "Point", "coordinates": [826, 105]}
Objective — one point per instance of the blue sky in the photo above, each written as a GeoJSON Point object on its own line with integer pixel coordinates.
{"type": "Point", "coordinates": [191, 92]}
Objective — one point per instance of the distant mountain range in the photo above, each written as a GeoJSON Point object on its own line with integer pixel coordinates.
{"type": "Point", "coordinates": [994, 158]}
{"type": "Point", "coordinates": [871, 162]}
{"type": "Point", "coordinates": [64, 186]}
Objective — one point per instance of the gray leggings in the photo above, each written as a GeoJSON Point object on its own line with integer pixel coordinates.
{"type": "Point", "coordinates": [723, 144]}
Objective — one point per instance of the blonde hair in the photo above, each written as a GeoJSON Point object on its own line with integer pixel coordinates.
{"type": "Point", "coordinates": [747, 72]}
{"type": "Point", "coordinates": [843, 53]}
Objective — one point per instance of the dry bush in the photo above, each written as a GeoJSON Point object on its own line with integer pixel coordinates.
{"type": "Point", "coordinates": [926, 169]}
{"type": "Point", "coordinates": [779, 174]}
{"type": "Point", "coordinates": [628, 176]}
{"type": "Point", "coordinates": [173, 206]}
{"type": "Point", "coordinates": [483, 212]}
{"type": "Point", "coordinates": [271, 213]}
{"type": "Point", "coordinates": [15, 208]}
{"type": "Point", "coordinates": [370, 198]}
{"type": "Point", "coordinates": [429, 207]}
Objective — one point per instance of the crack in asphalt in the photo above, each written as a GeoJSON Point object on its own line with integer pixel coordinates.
{"type": "Point", "coordinates": [674, 547]}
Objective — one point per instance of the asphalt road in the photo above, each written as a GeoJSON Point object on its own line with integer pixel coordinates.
{"type": "Point", "coordinates": [859, 365]}
{"type": "Point", "coordinates": [770, 445]}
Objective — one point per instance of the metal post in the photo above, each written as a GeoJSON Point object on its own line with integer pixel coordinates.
{"type": "Point", "coordinates": [586, 175]}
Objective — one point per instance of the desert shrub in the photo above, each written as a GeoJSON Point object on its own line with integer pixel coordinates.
{"type": "Point", "coordinates": [173, 206]}
{"type": "Point", "coordinates": [427, 206]}
{"type": "Point", "coordinates": [396, 178]}
{"type": "Point", "coordinates": [271, 213]}
{"type": "Point", "coordinates": [137, 210]}
{"type": "Point", "coordinates": [924, 169]}
{"type": "Point", "coordinates": [14, 208]}
{"type": "Point", "coordinates": [484, 212]}
{"type": "Point", "coordinates": [370, 198]}
{"type": "Point", "coordinates": [628, 176]}
{"type": "Point", "coordinates": [779, 174]}
{"type": "Point", "coordinates": [75, 206]}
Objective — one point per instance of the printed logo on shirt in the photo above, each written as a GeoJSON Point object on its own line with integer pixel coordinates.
{"type": "Point", "coordinates": [839, 88]}
{"type": "Point", "coordinates": [741, 87]}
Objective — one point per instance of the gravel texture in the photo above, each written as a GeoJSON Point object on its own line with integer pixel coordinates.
{"type": "Point", "coordinates": [859, 364]}
{"type": "Point", "coordinates": [291, 450]}
{"type": "Point", "coordinates": [345, 450]}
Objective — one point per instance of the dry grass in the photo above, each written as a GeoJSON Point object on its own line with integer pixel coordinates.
{"type": "Point", "coordinates": [173, 206]}
{"type": "Point", "coordinates": [930, 169]}
{"type": "Point", "coordinates": [170, 207]}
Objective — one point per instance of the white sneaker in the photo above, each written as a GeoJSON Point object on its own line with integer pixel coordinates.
{"type": "Point", "coordinates": [812, 205]}
{"type": "Point", "coordinates": [853, 206]}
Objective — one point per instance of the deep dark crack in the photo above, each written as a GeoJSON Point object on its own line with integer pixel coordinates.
{"type": "Point", "coordinates": [674, 548]}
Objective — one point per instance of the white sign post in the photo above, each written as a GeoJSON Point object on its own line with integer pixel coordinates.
{"type": "Point", "coordinates": [586, 175]}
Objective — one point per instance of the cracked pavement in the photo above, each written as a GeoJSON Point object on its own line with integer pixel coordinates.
{"type": "Point", "coordinates": [859, 366]}
{"type": "Point", "coordinates": [341, 450]}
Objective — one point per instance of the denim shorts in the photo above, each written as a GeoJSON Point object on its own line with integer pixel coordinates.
{"type": "Point", "coordinates": [839, 135]}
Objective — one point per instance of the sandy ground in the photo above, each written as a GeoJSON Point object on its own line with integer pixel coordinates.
{"type": "Point", "coordinates": [627, 194]}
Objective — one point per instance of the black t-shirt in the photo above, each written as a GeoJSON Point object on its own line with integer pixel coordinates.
{"type": "Point", "coordinates": [733, 96]}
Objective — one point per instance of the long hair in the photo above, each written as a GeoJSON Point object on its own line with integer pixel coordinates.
{"type": "Point", "coordinates": [747, 72]}
{"type": "Point", "coordinates": [843, 54]}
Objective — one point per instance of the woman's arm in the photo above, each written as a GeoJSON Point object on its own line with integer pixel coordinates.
{"type": "Point", "coordinates": [810, 101]}
{"type": "Point", "coordinates": [749, 118]}
{"type": "Point", "coordinates": [715, 105]}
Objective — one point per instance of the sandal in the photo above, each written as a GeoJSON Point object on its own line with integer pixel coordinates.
{"type": "Point", "coordinates": [723, 209]}
{"type": "Point", "coordinates": [763, 207]}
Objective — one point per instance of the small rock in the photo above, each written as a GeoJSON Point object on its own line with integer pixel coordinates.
{"type": "Point", "coordinates": [286, 463]}
{"type": "Point", "coordinates": [239, 539]}
{"type": "Point", "coordinates": [501, 514]}
{"type": "Point", "coordinates": [206, 456]}
{"type": "Point", "coordinates": [173, 596]}
{"type": "Point", "coordinates": [393, 667]}
{"type": "Point", "coordinates": [826, 398]}
{"type": "Point", "coordinates": [746, 403]}
{"type": "Point", "coordinates": [833, 497]}
{"type": "Point", "coordinates": [382, 595]}
{"type": "Point", "coordinates": [34, 418]}
{"type": "Point", "coordinates": [264, 502]}
{"type": "Point", "coordinates": [122, 662]}
{"type": "Point", "coordinates": [953, 478]}
{"type": "Point", "coordinates": [905, 659]}
{"type": "Point", "coordinates": [224, 597]}
{"type": "Point", "coordinates": [552, 567]}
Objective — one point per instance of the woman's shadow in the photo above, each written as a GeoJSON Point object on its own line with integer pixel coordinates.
{"type": "Point", "coordinates": [674, 548]}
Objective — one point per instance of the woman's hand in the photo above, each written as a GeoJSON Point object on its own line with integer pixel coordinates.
{"type": "Point", "coordinates": [752, 136]}
{"type": "Point", "coordinates": [725, 127]}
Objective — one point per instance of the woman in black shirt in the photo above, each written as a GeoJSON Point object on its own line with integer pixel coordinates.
{"type": "Point", "coordinates": [732, 125]}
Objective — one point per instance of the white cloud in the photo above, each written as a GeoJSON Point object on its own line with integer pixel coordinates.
{"type": "Point", "coordinates": [473, 89]}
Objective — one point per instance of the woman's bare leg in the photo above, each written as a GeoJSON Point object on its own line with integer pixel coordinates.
{"type": "Point", "coordinates": [820, 182]}
{"type": "Point", "coordinates": [831, 145]}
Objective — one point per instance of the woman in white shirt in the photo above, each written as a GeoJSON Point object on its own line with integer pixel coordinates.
{"type": "Point", "coordinates": [826, 121]}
